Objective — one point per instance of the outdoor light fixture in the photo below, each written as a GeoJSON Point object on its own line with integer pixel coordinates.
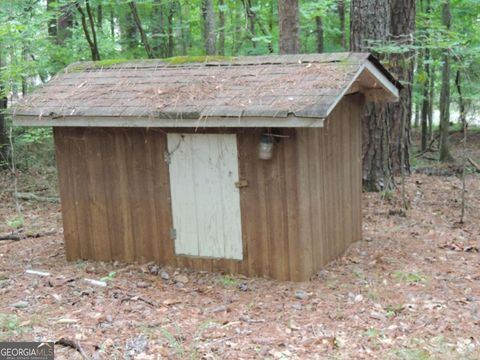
{"type": "Point", "coordinates": [265, 148]}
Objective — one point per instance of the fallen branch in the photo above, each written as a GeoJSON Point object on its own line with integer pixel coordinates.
{"type": "Point", "coordinates": [96, 282]}
{"type": "Point", "coordinates": [427, 150]}
{"type": "Point", "coordinates": [474, 164]}
{"type": "Point", "coordinates": [18, 237]}
{"type": "Point", "coordinates": [12, 236]}
{"type": "Point", "coordinates": [33, 197]}
{"type": "Point", "coordinates": [36, 272]}
{"type": "Point", "coordinates": [74, 345]}
{"type": "Point", "coordinates": [138, 298]}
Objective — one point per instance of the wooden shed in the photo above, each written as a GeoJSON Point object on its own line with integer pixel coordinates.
{"type": "Point", "coordinates": [248, 165]}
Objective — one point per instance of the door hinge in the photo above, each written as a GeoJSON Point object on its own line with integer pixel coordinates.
{"type": "Point", "coordinates": [173, 233]}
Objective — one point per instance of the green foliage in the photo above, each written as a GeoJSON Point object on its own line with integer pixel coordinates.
{"type": "Point", "coordinates": [34, 149]}
{"type": "Point", "coordinates": [33, 135]}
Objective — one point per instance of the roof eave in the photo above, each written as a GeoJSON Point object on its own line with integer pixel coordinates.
{"type": "Point", "coordinates": [291, 121]}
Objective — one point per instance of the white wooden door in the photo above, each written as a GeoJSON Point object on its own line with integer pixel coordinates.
{"type": "Point", "coordinates": [205, 200]}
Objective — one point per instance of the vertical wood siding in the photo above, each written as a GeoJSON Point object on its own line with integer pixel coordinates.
{"type": "Point", "coordinates": [300, 210]}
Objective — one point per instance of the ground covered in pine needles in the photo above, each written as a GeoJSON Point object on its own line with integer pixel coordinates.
{"type": "Point", "coordinates": [409, 290]}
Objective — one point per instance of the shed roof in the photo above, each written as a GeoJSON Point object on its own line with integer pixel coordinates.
{"type": "Point", "coordinates": [273, 91]}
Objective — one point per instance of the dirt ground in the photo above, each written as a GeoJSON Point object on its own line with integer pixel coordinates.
{"type": "Point", "coordinates": [409, 290]}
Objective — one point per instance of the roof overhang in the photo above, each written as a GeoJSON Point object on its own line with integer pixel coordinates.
{"type": "Point", "coordinates": [370, 81]}
{"type": "Point", "coordinates": [290, 121]}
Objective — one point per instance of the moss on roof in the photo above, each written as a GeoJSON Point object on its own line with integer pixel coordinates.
{"type": "Point", "coordinates": [176, 60]}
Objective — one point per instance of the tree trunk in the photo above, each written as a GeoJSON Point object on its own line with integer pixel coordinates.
{"type": "Point", "coordinates": [65, 24]}
{"type": "Point", "coordinates": [158, 29]}
{"type": "Point", "coordinates": [91, 20]}
{"type": "Point", "coordinates": [431, 96]}
{"type": "Point", "coordinates": [416, 120]}
{"type": "Point", "coordinates": [112, 22]}
{"type": "Point", "coordinates": [23, 77]}
{"type": "Point", "coordinates": [183, 33]}
{"type": "Point", "coordinates": [221, 23]}
{"type": "Point", "coordinates": [143, 36]}
{"type": "Point", "coordinates": [402, 31]}
{"type": "Point", "coordinates": [209, 27]}
{"type": "Point", "coordinates": [171, 36]}
{"type": "Point", "coordinates": [128, 32]}
{"type": "Point", "coordinates": [289, 37]}
{"type": "Point", "coordinates": [250, 14]}
{"type": "Point", "coordinates": [3, 108]}
{"type": "Point", "coordinates": [445, 154]}
{"type": "Point", "coordinates": [99, 16]}
{"type": "Point", "coordinates": [426, 96]}
{"type": "Point", "coordinates": [426, 100]}
{"type": "Point", "coordinates": [461, 101]}
{"type": "Point", "coordinates": [92, 41]}
{"type": "Point", "coordinates": [370, 20]}
{"type": "Point", "coordinates": [341, 15]}
{"type": "Point", "coordinates": [319, 31]}
{"type": "Point", "coordinates": [237, 31]}
{"type": "Point", "coordinates": [52, 19]}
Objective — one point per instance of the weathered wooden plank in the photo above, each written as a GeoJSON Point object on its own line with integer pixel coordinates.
{"type": "Point", "coordinates": [314, 157]}
{"type": "Point", "coordinates": [65, 177]}
{"type": "Point", "coordinates": [141, 196]}
{"type": "Point", "coordinates": [304, 243]}
{"type": "Point", "coordinates": [76, 137]}
{"type": "Point", "coordinates": [97, 202]}
{"type": "Point", "coordinates": [185, 220]}
{"type": "Point", "coordinates": [115, 191]}
{"type": "Point", "coordinates": [161, 191]}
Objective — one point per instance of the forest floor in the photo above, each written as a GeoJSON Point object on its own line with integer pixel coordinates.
{"type": "Point", "coordinates": [409, 290]}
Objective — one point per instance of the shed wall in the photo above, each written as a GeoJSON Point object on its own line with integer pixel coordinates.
{"type": "Point", "coordinates": [300, 210]}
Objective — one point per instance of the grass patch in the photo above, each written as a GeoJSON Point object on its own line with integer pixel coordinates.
{"type": "Point", "coordinates": [373, 333]}
{"type": "Point", "coordinates": [177, 342]}
{"type": "Point", "coordinates": [81, 264]}
{"type": "Point", "coordinates": [111, 275]}
{"type": "Point", "coordinates": [409, 277]}
{"type": "Point", "coordinates": [16, 222]}
{"type": "Point", "coordinates": [227, 281]}
{"type": "Point", "coordinates": [359, 274]}
{"type": "Point", "coordinates": [10, 327]}
{"type": "Point", "coordinates": [393, 310]}
{"type": "Point", "coordinates": [413, 354]}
